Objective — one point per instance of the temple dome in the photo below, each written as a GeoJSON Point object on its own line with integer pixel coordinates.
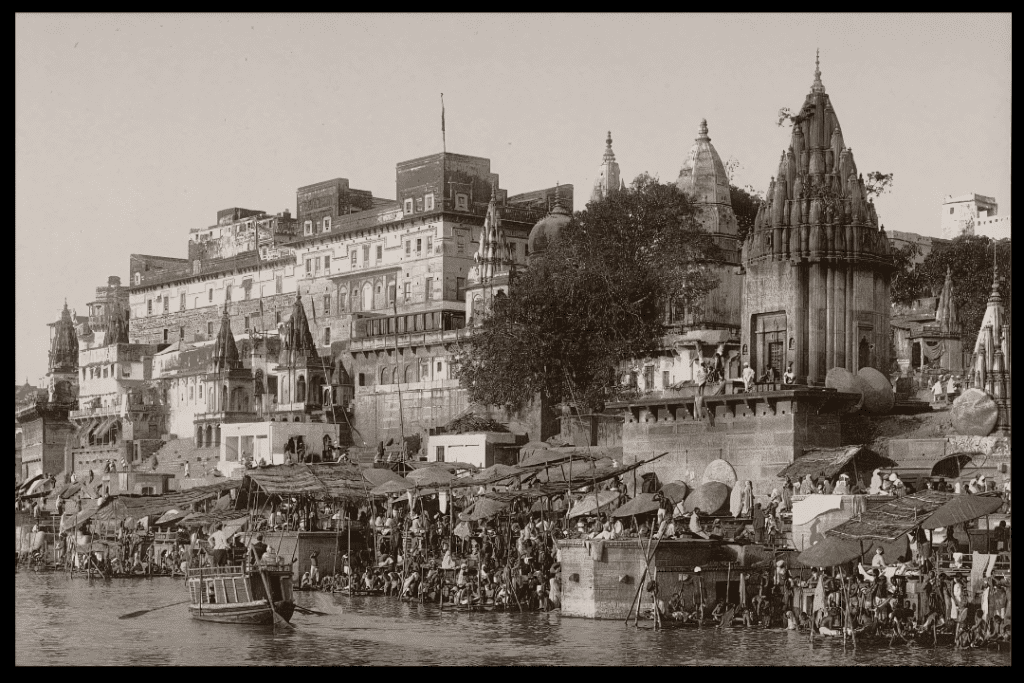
{"type": "Point", "coordinates": [548, 228]}
{"type": "Point", "coordinates": [703, 175]}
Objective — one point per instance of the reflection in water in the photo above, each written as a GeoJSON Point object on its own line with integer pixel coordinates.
{"type": "Point", "coordinates": [59, 620]}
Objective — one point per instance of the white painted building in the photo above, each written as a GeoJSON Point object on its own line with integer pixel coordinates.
{"type": "Point", "coordinates": [478, 449]}
{"type": "Point", "coordinates": [267, 441]}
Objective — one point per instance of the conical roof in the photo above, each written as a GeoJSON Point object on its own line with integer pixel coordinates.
{"type": "Point", "coordinates": [703, 175]}
{"type": "Point", "coordinates": [298, 341]}
{"type": "Point", "coordinates": [64, 346]}
{"type": "Point", "coordinates": [225, 351]}
{"type": "Point", "coordinates": [494, 252]}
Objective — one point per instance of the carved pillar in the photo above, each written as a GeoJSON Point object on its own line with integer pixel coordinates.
{"type": "Point", "coordinates": [851, 337]}
{"type": "Point", "coordinates": [830, 318]}
{"type": "Point", "coordinates": [816, 324]}
{"type": "Point", "coordinates": [799, 353]}
{"type": "Point", "coordinates": [840, 316]}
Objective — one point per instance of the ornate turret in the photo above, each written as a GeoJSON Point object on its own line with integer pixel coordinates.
{"type": "Point", "coordinates": [303, 375]}
{"type": "Point", "coordinates": [117, 322]}
{"type": "Point", "coordinates": [298, 340]}
{"type": "Point", "coordinates": [225, 351]}
{"type": "Point", "coordinates": [819, 236]}
{"type": "Point", "coordinates": [64, 345]}
{"type": "Point", "coordinates": [608, 179]}
{"type": "Point", "coordinates": [991, 362]}
{"type": "Point", "coordinates": [548, 228]}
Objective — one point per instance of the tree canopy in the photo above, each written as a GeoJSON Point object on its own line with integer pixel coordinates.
{"type": "Point", "coordinates": [594, 298]}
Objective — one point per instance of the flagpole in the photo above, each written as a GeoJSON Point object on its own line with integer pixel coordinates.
{"type": "Point", "coordinates": [444, 147]}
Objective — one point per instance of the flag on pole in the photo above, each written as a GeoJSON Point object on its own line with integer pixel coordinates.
{"type": "Point", "coordinates": [443, 144]}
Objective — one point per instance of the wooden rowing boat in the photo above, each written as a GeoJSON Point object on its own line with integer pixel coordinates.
{"type": "Point", "coordinates": [238, 594]}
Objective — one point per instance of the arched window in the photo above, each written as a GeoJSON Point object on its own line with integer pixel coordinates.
{"type": "Point", "coordinates": [223, 398]}
{"type": "Point", "coordinates": [394, 375]}
{"type": "Point", "coordinates": [383, 375]}
{"type": "Point", "coordinates": [355, 299]}
{"type": "Point", "coordinates": [300, 390]}
{"type": "Point", "coordinates": [409, 374]}
{"type": "Point", "coordinates": [342, 299]}
{"type": "Point", "coordinates": [367, 297]}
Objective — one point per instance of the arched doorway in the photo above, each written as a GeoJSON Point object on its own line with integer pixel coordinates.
{"type": "Point", "coordinates": [863, 353]}
{"type": "Point", "coordinates": [209, 436]}
{"type": "Point", "coordinates": [300, 390]}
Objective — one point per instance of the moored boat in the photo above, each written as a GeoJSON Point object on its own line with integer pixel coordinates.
{"type": "Point", "coordinates": [239, 594]}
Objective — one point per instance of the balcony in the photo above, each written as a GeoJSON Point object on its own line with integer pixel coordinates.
{"type": "Point", "coordinates": [226, 416]}
{"type": "Point", "coordinates": [107, 411]}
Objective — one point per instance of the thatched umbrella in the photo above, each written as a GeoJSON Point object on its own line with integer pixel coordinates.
{"type": "Point", "coordinates": [675, 492]}
{"type": "Point", "coordinates": [430, 476]}
{"type": "Point", "coordinates": [392, 486]}
{"type": "Point", "coordinates": [642, 504]}
{"type": "Point", "coordinates": [829, 552]}
{"type": "Point", "coordinates": [592, 504]}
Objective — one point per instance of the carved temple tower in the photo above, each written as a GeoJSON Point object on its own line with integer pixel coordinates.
{"type": "Point", "coordinates": [489, 278]}
{"type": "Point", "coordinates": [62, 372]}
{"type": "Point", "coordinates": [990, 370]}
{"type": "Point", "coordinates": [301, 372]}
{"type": "Point", "coordinates": [818, 265]}
{"type": "Point", "coordinates": [608, 179]}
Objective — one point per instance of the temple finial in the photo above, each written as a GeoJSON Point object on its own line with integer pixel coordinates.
{"type": "Point", "coordinates": [609, 140]}
{"type": "Point", "coordinates": [702, 132]}
{"type": "Point", "coordinates": [494, 193]}
{"type": "Point", "coordinates": [817, 85]}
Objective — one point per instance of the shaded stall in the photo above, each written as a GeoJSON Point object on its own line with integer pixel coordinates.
{"type": "Point", "coordinates": [831, 462]}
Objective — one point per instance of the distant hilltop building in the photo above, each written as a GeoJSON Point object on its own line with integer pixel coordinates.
{"type": "Point", "coordinates": [973, 214]}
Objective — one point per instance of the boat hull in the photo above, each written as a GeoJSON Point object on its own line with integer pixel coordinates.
{"type": "Point", "coordinates": [255, 612]}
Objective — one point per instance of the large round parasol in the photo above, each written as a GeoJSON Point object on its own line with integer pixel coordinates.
{"type": "Point", "coordinates": [710, 498]}
{"type": "Point", "coordinates": [430, 476]}
{"type": "Point", "coordinates": [675, 491]}
{"type": "Point", "coordinates": [392, 486]}
{"type": "Point", "coordinates": [376, 476]}
{"type": "Point", "coordinates": [592, 504]}
{"type": "Point", "coordinates": [719, 470]}
{"type": "Point", "coordinates": [483, 508]}
{"type": "Point", "coordinates": [963, 508]}
{"type": "Point", "coordinates": [642, 504]}
{"type": "Point", "coordinates": [829, 552]}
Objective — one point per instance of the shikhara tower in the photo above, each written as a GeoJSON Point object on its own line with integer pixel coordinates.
{"type": "Point", "coordinates": [818, 265]}
{"type": "Point", "coordinates": [63, 366]}
{"type": "Point", "coordinates": [489, 278]}
{"type": "Point", "coordinates": [608, 179]}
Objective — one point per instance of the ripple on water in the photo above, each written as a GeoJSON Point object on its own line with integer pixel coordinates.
{"type": "Point", "coordinates": [59, 620]}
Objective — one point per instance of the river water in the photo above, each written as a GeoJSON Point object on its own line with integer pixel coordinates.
{"type": "Point", "coordinates": [73, 621]}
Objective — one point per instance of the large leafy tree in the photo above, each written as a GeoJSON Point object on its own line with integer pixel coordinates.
{"type": "Point", "coordinates": [744, 205]}
{"type": "Point", "coordinates": [969, 259]}
{"type": "Point", "coordinates": [907, 283]}
{"type": "Point", "coordinates": [596, 297]}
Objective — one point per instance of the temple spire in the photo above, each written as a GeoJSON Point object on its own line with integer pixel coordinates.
{"type": "Point", "coordinates": [817, 85]}
{"type": "Point", "coordinates": [702, 132]}
{"type": "Point", "coordinates": [609, 155]}
{"type": "Point", "coordinates": [607, 180]}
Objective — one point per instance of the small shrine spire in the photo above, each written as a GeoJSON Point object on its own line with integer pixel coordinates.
{"type": "Point", "coordinates": [702, 132]}
{"type": "Point", "coordinates": [609, 155]}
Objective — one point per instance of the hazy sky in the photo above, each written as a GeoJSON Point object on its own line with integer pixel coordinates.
{"type": "Point", "coordinates": [131, 129]}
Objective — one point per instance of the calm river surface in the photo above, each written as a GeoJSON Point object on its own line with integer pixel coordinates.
{"type": "Point", "coordinates": [66, 621]}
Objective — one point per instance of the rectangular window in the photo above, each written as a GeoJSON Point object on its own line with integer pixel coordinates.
{"type": "Point", "coordinates": [247, 320]}
{"type": "Point", "coordinates": [408, 247]}
{"type": "Point", "coordinates": [406, 291]}
{"type": "Point", "coordinates": [440, 453]}
{"type": "Point", "coordinates": [460, 244]}
{"type": "Point", "coordinates": [380, 253]}
{"type": "Point", "coordinates": [461, 202]}
{"type": "Point", "coordinates": [430, 289]}
{"type": "Point", "coordinates": [210, 295]}
{"type": "Point", "coordinates": [327, 223]}
{"type": "Point", "coordinates": [209, 329]}
{"type": "Point", "coordinates": [316, 264]}
{"type": "Point", "coordinates": [181, 333]}
{"type": "Point", "coordinates": [664, 379]}
{"type": "Point", "coordinates": [419, 205]}
{"type": "Point", "coordinates": [149, 307]}
{"type": "Point", "coordinates": [366, 254]}
{"type": "Point", "coordinates": [165, 335]}
{"type": "Point", "coordinates": [429, 202]}
{"type": "Point", "coordinates": [430, 243]}
{"type": "Point", "coordinates": [407, 205]}
{"type": "Point", "coordinates": [167, 304]}
{"type": "Point", "coordinates": [419, 247]}
{"type": "Point", "coordinates": [227, 292]}
{"type": "Point", "coordinates": [327, 336]}
{"type": "Point", "coordinates": [327, 304]}
{"type": "Point", "coordinates": [182, 302]}
{"type": "Point", "coordinates": [309, 267]}
{"type": "Point", "coordinates": [460, 289]}
{"type": "Point", "coordinates": [327, 262]}
{"type": "Point", "coordinates": [279, 284]}
{"type": "Point", "coordinates": [307, 228]}
{"type": "Point", "coordinates": [353, 257]}
{"type": "Point", "coordinates": [277, 317]}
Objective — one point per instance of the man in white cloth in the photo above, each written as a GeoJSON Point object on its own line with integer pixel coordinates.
{"type": "Point", "coordinates": [748, 377]}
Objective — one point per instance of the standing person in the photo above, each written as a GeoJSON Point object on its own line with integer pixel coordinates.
{"type": "Point", "coordinates": [938, 391]}
{"type": "Point", "coordinates": [758, 519]}
{"type": "Point", "coordinates": [748, 377]}
{"type": "Point", "coordinates": [787, 495]}
{"type": "Point", "coordinates": [950, 387]}
{"type": "Point", "coordinates": [219, 539]}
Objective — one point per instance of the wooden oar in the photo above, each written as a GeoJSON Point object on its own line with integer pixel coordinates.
{"type": "Point", "coordinates": [278, 619]}
{"type": "Point", "coordinates": [139, 613]}
{"type": "Point", "coordinates": [306, 610]}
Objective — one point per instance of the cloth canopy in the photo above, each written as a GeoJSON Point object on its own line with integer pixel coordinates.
{"type": "Point", "coordinates": [642, 504]}
{"type": "Point", "coordinates": [376, 476]}
{"type": "Point", "coordinates": [172, 515]}
{"type": "Point", "coordinates": [829, 552]}
{"type": "Point", "coordinates": [451, 467]}
{"type": "Point", "coordinates": [199, 519]}
{"type": "Point", "coordinates": [963, 508]}
{"type": "Point", "coordinates": [102, 430]}
{"type": "Point", "coordinates": [330, 479]}
{"type": "Point", "coordinates": [495, 473]}
{"type": "Point", "coordinates": [591, 504]}
{"type": "Point", "coordinates": [710, 498]}
{"type": "Point", "coordinates": [28, 482]}
{"type": "Point", "coordinates": [831, 461]}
